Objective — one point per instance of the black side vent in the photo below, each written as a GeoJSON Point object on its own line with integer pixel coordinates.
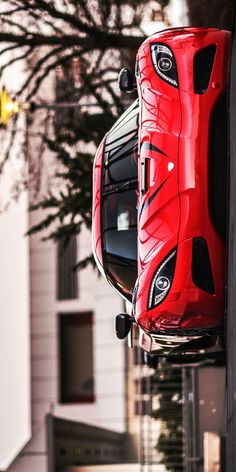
{"type": "Point", "coordinates": [202, 67]}
{"type": "Point", "coordinates": [218, 163]}
{"type": "Point", "coordinates": [201, 266]}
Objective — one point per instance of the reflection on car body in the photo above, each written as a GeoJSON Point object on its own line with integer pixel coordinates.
{"type": "Point", "coordinates": [160, 191]}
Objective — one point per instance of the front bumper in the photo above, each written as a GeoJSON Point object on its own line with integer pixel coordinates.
{"type": "Point", "coordinates": [181, 343]}
{"type": "Point", "coordinates": [186, 305]}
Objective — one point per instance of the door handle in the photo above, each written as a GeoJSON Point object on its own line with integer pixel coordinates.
{"type": "Point", "coordinates": [144, 175]}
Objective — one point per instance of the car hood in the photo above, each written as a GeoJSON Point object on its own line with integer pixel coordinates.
{"type": "Point", "coordinates": [158, 193]}
{"type": "Point", "coordinates": [158, 200]}
{"type": "Point", "coordinates": [159, 206]}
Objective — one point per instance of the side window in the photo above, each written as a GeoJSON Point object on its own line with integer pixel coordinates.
{"type": "Point", "coordinates": [119, 202]}
{"type": "Point", "coordinates": [121, 149]}
{"type": "Point", "coordinates": [119, 224]}
{"type": "Point", "coordinates": [76, 369]}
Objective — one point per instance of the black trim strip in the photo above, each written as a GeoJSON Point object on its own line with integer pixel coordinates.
{"type": "Point", "coordinates": [211, 331]}
{"type": "Point", "coordinates": [151, 198]}
{"type": "Point", "coordinates": [151, 147]}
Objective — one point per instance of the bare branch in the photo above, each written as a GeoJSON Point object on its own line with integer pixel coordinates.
{"type": "Point", "coordinates": [93, 90]}
{"type": "Point", "coordinates": [10, 143]}
{"type": "Point", "coordinates": [15, 59]}
{"type": "Point", "coordinates": [101, 40]}
{"type": "Point", "coordinates": [13, 11]}
{"type": "Point", "coordinates": [17, 25]}
{"type": "Point", "coordinates": [40, 63]}
{"type": "Point", "coordinates": [52, 66]}
{"type": "Point", "coordinates": [87, 12]}
{"type": "Point", "coordinates": [72, 20]}
{"type": "Point", "coordinates": [48, 22]}
{"type": "Point", "coordinates": [9, 48]}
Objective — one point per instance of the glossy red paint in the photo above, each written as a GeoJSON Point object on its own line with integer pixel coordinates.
{"type": "Point", "coordinates": [96, 211]}
{"type": "Point", "coordinates": [177, 121]}
{"type": "Point", "coordinates": [173, 208]}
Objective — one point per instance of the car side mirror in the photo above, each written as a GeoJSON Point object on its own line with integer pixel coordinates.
{"type": "Point", "coordinates": [126, 81]}
{"type": "Point", "coordinates": [122, 325]}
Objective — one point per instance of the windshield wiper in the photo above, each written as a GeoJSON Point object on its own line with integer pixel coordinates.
{"type": "Point", "coordinates": [129, 185]}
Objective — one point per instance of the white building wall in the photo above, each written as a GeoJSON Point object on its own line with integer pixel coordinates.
{"type": "Point", "coordinates": [95, 295]}
{"type": "Point", "coordinates": [15, 427]}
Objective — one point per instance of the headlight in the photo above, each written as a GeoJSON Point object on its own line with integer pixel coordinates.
{"type": "Point", "coordinates": [162, 281]}
{"type": "Point", "coordinates": [164, 63]}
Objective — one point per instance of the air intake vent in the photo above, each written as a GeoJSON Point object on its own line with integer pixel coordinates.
{"type": "Point", "coordinates": [202, 67]}
{"type": "Point", "coordinates": [201, 266]}
{"type": "Point", "coordinates": [218, 164]}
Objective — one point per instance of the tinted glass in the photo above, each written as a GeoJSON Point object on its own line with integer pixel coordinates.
{"type": "Point", "coordinates": [119, 202]}
{"type": "Point", "coordinates": [122, 273]}
{"type": "Point", "coordinates": [119, 215]}
{"type": "Point", "coordinates": [120, 239]}
{"type": "Point", "coordinates": [120, 150]}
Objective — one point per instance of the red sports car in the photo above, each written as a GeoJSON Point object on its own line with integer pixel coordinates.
{"type": "Point", "coordinates": [159, 204]}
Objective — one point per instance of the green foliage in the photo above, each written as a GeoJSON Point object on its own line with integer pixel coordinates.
{"type": "Point", "coordinates": [69, 210]}
{"type": "Point", "coordinates": [88, 74]}
{"type": "Point", "coordinates": [73, 203]}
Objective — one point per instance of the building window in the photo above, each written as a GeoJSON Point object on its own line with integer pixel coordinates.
{"type": "Point", "coordinates": [76, 358]}
{"type": "Point", "coordinates": [67, 280]}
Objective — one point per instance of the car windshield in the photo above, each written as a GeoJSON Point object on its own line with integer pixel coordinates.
{"type": "Point", "coordinates": [119, 202]}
